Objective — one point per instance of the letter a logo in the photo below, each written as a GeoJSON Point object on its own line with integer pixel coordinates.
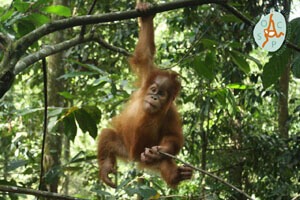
{"type": "Point", "coordinates": [270, 31]}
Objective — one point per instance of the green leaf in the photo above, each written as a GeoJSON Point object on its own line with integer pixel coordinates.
{"type": "Point", "coordinates": [147, 192]}
{"type": "Point", "coordinates": [53, 174]}
{"type": "Point", "coordinates": [203, 68]}
{"type": "Point", "coordinates": [14, 164]}
{"type": "Point", "coordinates": [296, 67]}
{"type": "Point", "coordinates": [220, 96]}
{"type": "Point", "coordinates": [240, 61]}
{"type": "Point", "coordinates": [94, 112]}
{"type": "Point", "coordinates": [237, 86]}
{"type": "Point", "coordinates": [24, 27]}
{"type": "Point", "coordinates": [256, 61]}
{"type": "Point", "coordinates": [93, 68]}
{"type": "Point", "coordinates": [78, 156]}
{"type": "Point", "coordinates": [294, 33]}
{"type": "Point", "coordinates": [55, 112]}
{"type": "Point", "coordinates": [113, 88]}
{"type": "Point", "coordinates": [101, 192]}
{"type": "Point", "coordinates": [90, 67]}
{"type": "Point", "coordinates": [29, 111]}
{"type": "Point", "coordinates": [101, 81]}
{"type": "Point", "coordinates": [58, 10]}
{"type": "Point", "coordinates": [37, 19]}
{"type": "Point", "coordinates": [232, 107]}
{"type": "Point", "coordinates": [21, 6]}
{"type": "Point", "coordinates": [230, 18]}
{"type": "Point", "coordinates": [86, 122]}
{"type": "Point", "coordinates": [66, 95]}
{"type": "Point", "coordinates": [131, 191]}
{"type": "Point", "coordinates": [70, 126]}
{"type": "Point", "coordinates": [275, 67]}
{"type": "Point", "coordinates": [6, 16]}
{"type": "Point", "coordinates": [208, 43]}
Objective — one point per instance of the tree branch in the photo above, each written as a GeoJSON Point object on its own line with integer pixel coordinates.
{"type": "Point", "coordinates": [53, 49]}
{"type": "Point", "coordinates": [207, 173]}
{"type": "Point", "coordinates": [37, 193]}
{"type": "Point", "coordinates": [111, 47]}
{"type": "Point", "coordinates": [27, 40]}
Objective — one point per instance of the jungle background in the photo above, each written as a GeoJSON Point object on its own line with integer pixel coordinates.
{"type": "Point", "coordinates": [240, 105]}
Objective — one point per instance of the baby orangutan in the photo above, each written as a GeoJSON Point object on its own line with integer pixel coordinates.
{"type": "Point", "coordinates": [150, 122]}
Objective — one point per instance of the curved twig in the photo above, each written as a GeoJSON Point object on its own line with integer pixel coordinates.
{"type": "Point", "coordinates": [207, 173]}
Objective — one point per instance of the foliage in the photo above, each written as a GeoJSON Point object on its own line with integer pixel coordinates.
{"type": "Point", "coordinates": [228, 103]}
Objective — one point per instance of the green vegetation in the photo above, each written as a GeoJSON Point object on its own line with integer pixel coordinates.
{"type": "Point", "coordinates": [240, 106]}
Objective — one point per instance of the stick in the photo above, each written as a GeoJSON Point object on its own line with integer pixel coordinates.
{"type": "Point", "coordinates": [208, 174]}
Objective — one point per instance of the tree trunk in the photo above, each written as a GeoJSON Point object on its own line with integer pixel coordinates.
{"type": "Point", "coordinates": [54, 138]}
{"type": "Point", "coordinates": [283, 112]}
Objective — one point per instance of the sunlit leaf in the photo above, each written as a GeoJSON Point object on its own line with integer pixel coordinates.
{"type": "Point", "coordinates": [58, 10]}
{"type": "Point", "coordinates": [66, 95]}
{"type": "Point", "coordinates": [237, 86]}
{"type": "Point", "coordinates": [6, 16]}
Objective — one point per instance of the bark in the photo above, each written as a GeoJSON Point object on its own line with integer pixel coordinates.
{"type": "Point", "coordinates": [54, 138]}
{"type": "Point", "coordinates": [283, 90]}
{"type": "Point", "coordinates": [283, 106]}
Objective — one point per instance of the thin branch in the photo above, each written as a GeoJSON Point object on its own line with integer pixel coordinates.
{"type": "Point", "coordinates": [52, 49]}
{"type": "Point", "coordinates": [37, 193]}
{"type": "Point", "coordinates": [111, 47]}
{"type": "Point", "coordinates": [208, 174]}
{"type": "Point", "coordinates": [49, 50]}
{"type": "Point", "coordinates": [238, 14]}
